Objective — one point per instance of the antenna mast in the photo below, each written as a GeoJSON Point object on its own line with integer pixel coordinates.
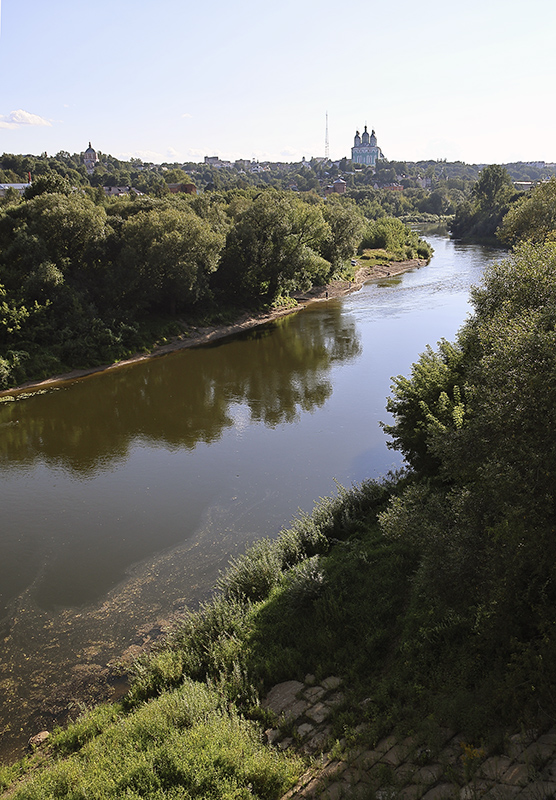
{"type": "Point", "coordinates": [326, 147]}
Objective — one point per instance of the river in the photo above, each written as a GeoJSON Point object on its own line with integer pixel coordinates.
{"type": "Point", "coordinates": [124, 493]}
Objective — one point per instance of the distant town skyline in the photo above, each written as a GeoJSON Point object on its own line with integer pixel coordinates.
{"type": "Point", "coordinates": [172, 82]}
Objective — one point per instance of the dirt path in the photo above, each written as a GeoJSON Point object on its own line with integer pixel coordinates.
{"type": "Point", "coordinates": [192, 337]}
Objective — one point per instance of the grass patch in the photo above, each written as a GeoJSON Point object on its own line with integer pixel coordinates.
{"type": "Point", "coordinates": [185, 744]}
{"type": "Point", "coordinates": [372, 258]}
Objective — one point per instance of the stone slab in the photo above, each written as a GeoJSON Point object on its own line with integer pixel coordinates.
{"type": "Point", "coordinates": [516, 775]}
{"type": "Point", "coordinates": [428, 774]}
{"type": "Point", "coordinates": [282, 695]}
{"type": "Point", "coordinates": [368, 759]}
{"type": "Point", "coordinates": [410, 792]}
{"type": "Point", "coordinates": [314, 693]}
{"type": "Point", "coordinates": [536, 752]}
{"type": "Point", "coordinates": [474, 790]}
{"type": "Point", "coordinates": [395, 756]}
{"type": "Point", "coordinates": [538, 790]}
{"type": "Point", "coordinates": [444, 791]}
{"type": "Point", "coordinates": [319, 712]}
{"type": "Point", "coordinates": [296, 709]}
{"type": "Point", "coordinates": [494, 767]}
{"type": "Point", "coordinates": [333, 792]}
{"type": "Point", "coordinates": [502, 792]}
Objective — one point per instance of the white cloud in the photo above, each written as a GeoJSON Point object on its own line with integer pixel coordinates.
{"type": "Point", "coordinates": [195, 153]}
{"type": "Point", "coordinates": [145, 155]}
{"type": "Point", "coordinates": [18, 118]}
{"type": "Point", "coordinates": [187, 116]}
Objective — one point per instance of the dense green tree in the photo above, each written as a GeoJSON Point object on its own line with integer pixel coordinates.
{"type": "Point", "coordinates": [219, 209]}
{"type": "Point", "coordinates": [273, 248]}
{"type": "Point", "coordinates": [48, 183]}
{"type": "Point", "coordinates": [532, 217]}
{"type": "Point", "coordinates": [346, 224]}
{"type": "Point", "coordinates": [430, 397]}
{"type": "Point", "coordinates": [176, 175]}
{"type": "Point", "coordinates": [390, 234]}
{"type": "Point", "coordinates": [437, 202]}
{"type": "Point", "coordinates": [481, 215]}
{"type": "Point", "coordinates": [56, 230]}
{"type": "Point", "coordinates": [11, 197]}
{"type": "Point", "coordinates": [494, 186]}
{"type": "Point", "coordinates": [9, 176]}
{"type": "Point", "coordinates": [166, 258]}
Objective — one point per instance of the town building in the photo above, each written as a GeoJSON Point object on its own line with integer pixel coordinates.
{"type": "Point", "coordinates": [90, 159]}
{"type": "Point", "coordinates": [365, 150]}
{"type": "Point", "coordinates": [19, 187]}
{"type": "Point", "coordinates": [188, 188]}
{"type": "Point", "coordinates": [216, 161]}
{"type": "Point", "coordinates": [338, 187]}
{"type": "Point", "coordinates": [117, 191]}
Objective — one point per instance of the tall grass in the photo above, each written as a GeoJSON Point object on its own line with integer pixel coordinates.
{"type": "Point", "coordinates": [185, 744]}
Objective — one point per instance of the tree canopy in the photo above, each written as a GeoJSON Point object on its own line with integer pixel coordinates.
{"type": "Point", "coordinates": [532, 217]}
{"type": "Point", "coordinates": [480, 216]}
{"type": "Point", "coordinates": [279, 243]}
{"type": "Point", "coordinates": [86, 279]}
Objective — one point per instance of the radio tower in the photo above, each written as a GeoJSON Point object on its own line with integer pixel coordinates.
{"type": "Point", "coordinates": [326, 147]}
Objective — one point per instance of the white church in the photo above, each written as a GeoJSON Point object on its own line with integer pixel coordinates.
{"type": "Point", "coordinates": [365, 150]}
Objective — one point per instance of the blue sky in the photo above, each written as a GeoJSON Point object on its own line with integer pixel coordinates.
{"type": "Point", "coordinates": [175, 80]}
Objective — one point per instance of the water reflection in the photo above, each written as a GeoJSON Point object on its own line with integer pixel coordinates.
{"type": "Point", "coordinates": [101, 473]}
{"type": "Point", "coordinates": [180, 400]}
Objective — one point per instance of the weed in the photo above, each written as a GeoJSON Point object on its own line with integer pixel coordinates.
{"type": "Point", "coordinates": [8, 774]}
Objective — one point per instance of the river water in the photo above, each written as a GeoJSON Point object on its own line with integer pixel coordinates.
{"type": "Point", "coordinates": [123, 494]}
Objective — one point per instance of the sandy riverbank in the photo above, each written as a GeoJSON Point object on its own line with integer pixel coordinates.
{"type": "Point", "coordinates": [193, 337]}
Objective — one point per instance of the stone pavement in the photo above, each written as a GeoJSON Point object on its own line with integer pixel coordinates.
{"type": "Point", "coordinates": [404, 769]}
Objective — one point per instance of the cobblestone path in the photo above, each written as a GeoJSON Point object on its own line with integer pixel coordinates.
{"type": "Point", "coordinates": [404, 769]}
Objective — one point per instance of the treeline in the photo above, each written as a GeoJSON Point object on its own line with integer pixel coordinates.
{"type": "Point", "coordinates": [85, 280]}
{"type": "Point", "coordinates": [111, 171]}
{"type": "Point", "coordinates": [495, 212]}
{"type": "Point", "coordinates": [410, 190]}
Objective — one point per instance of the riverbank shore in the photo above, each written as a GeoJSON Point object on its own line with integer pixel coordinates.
{"type": "Point", "coordinates": [196, 336]}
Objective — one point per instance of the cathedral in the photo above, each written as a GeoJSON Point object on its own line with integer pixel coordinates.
{"type": "Point", "coordinates": [365, 149]}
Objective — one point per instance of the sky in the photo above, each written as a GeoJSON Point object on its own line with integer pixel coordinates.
{"type": "Point", "coordinates": [177, 80]}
